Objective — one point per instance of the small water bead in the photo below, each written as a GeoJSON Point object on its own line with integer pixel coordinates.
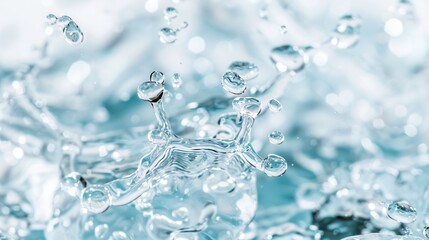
{"type": "Point", "coordinates": [167, 35]}
{"type": "Point", "coordinates": [245, 70]}
{"type": "Point", "coordinates": [73, 184]}
{"type": "Point", "coordinates": [346, 33]}
{"type": "Point", "coordinates": [177, 81]}
{"type": "Point", "coordinates": [402, 211]}
{"type": "Point", "coordinates": [51, 19]}
{"type": "Point", "coordinates": [96, 199]}
{"type": "Point", "coordinates": [170, 13]}
{"type": "Point", "coordinates": [274, 105]}
{"type": "Point", "coordinates": [233, 83]}
{"type": "Point", "coordinates": [101, 231]}
{"type": "Point", "coordinates": [157, 136]}
{"type": "Point", "coordinates": [288, 58]}
{"type": "Point", "coordinates": [283, 29]}
{"type": "Point", "coordinates": [150, 91]}
{"type": "Point", "coordinates": [157, 76]}
{"type": "Point", "coordinates": [276, 137]}
{"type": "Point", "coordinates": [274, 165]}
{"type": "Point", "coordinates": [247, 106]}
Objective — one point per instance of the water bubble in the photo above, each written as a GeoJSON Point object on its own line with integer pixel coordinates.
{"type": "Point", "coordinates": [51, 19]}
{"type": "Point", "coordinates": [288, 58]}
{"type": "Point", "coordinates": [73, 184]}
{"type": "Point", "coordinates": [245, 70]}
{"type": "Point", "coordinates": [276, 137]}
{"type": "Point", "coordinates": [170, 13]}
{"type": "Point", "coordinates": [167, 35]}
{"type": "Point", "coordinates": [274, 165]}
{"type": "Point", "coordinates": [150, 91]}
{"type": "Point", "coordinates": [283, 29]}
{"type": "Point", "coordinates": [177, 81]}
{"type": "Point", "coordinates": [274, 105]}
{"type": "Point", "coordinates": [101, 231]}
{"type": "Point", "coordinates": [233, 83]}
{"type": "Point", "coordinates": [402, 211]}
{"type": "Point", "coordinates": [247, 106]}
{"type": "Point", "coordinates": [219, 182]}
{"type": "Point", "coordinates": [96, 199]}
{"type": "Point", "coordinates": [157, 136]}
{"type": "Point", "coordinates": [346, 33]}
{"type": "Point", "coordinates": [157, 76]}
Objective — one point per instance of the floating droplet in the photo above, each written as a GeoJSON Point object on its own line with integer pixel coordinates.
{"type": "Point", "coordinates": [288, 58]}
{"type": "Point", "coordinates": [274, 165]}
{"type": "Point", "coordinates": [51, 19]}
{"type": "Point", "coordinates": [219, 182]}
{"type": "Point", "coordinates": [73, 184]}
{"type": "Point", "coordinates": [402, 211]}
{"type": "Point", "coordinates": [170, 13]}
{"type": "Point", "coordinates": [167, 35]}
{"type": "Point", "coordinates": [157, 76]}
{"type": "Point", "coordinates": [233, 83]}
{"type": "Point", "coordinates": [150, 91]}
{"type": "Point", "coordinates": [177, 81]}
{"type": "Point", "coordinates": [245, 70]}
{"type": "Point", "coordinates": [101, 231]}
{"type": "Point", "coordinates": [283, 29]}
{"type": "Point", "coordinates": [346, 33]}
{"type": "Point", "coordinates": [70, 29]}
{"type": "Point", "coordinates": [157, 136]}
{"type": "Point", "coordinates": [276, 137]}
{"type": "Point", "coordinates": [274, 105]}
{"type": "Point", "coordinates": [96, 199]}
{"type": "Point", "coordinates": [247, 106]}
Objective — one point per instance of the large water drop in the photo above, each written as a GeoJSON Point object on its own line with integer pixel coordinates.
{"type": "Point", "coordinates": [233, 83]}
{"type": "Point", "coordinates": [402, 211]}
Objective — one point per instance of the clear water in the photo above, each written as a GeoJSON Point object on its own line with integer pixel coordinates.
{"type": "Point", "coordinates": [95, 144]}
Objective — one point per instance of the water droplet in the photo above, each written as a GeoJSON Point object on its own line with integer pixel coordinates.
{"type": "Point", "coordinates": [167, 35]}
{"type": "Point", "coordinates": [402, 211]}
{"type": "Point", "coordinates": [177, 81]}
{"type": "Point", "coordinates": [157, 136]}
{"type": "Point", "coordinates": [73, 184]}
{"type": "Point", "coordinates": [274, 165]}
{"type": "Point", "coordinates": [219, 182]}
{"type": "Point", "coordinates": [426, 231]}
{"type": "Point", "coordinates": [70, 29]}
{"type": "Point", "coordinates": [101, 231]}
{"type": "Point", "coordinates": [346, 33]}
{"type": "Point", "coordinates": [245, 70]}
{"type": "Point", "coordinates": [170, 13]}
{"type": "Point", "coordinates": [157, 76]}
{"type": "Point", "coordinates": [150, 91]}
{"type": "Point", "coordinates": [247, 106]}
{"type": "Point", "coordinates": [283, 29]}
{"type": "Point", "coordinates": [233, 83]}
{"type": "Point", "coordinates": [51, 19]}
{"type": "Point", "coordinates": [276, 137]}
{"type": "Point", "coordinates": [288, 58]}
{"type": "Point", "coordinates": [96, 199]}
{"type": "Point", "coordinates": [274, 105]}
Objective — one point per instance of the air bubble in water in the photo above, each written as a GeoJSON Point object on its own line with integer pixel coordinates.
{"type": "Point", "coordinates": [288, 58]}
{"type": "Point", "coordinates": [51, 19]}
{"type": "Point", "coordinates": [157, 76]}
{"type": "Point", "coordinates": [346, 33]}
{"type": "Point", "coordinates": [73, 184]}
{"type": "Point", "coordinates": [402, 211]}
{"type": "Point", "coordinates": [283, 29]}
{"type": "Point", "coordinates": [177, 81]}
{"type": "Point", "coordinates": [233, 83]}
{"type": "Point", "coordinates": [150, 91]}
{"type": "Point", "coordinates": [276, 137]}
{"type": "Point", "coordinates": [167, 35]}
{"type": "Point", "coordinates": [246, 70]}
{"type": "Point", "coordinates": [170, 13]}
{"type": "Point", "coordinates": [274, 105]}
{"type": "Point", "coordinates": [274, 165]}
{"type": "Point", "coordinates": [96, 199]}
